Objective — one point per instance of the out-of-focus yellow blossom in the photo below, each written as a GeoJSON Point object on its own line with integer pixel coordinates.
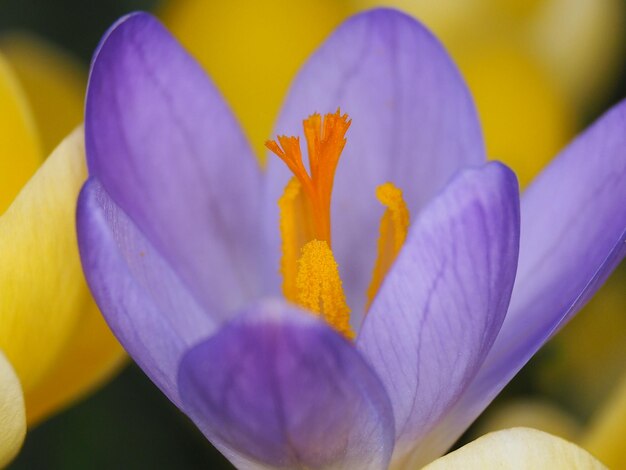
{"type": "Point", "coordinates": [54, 345]}
{"type": "Point", "coordinates": [603, 435]}
{"type": "Point", "coordinates": [526, 120]}
{"type": "Point", "coordinates": [252, 49]}
{"type": "Point", "coordinates": [581, 42]}
{"type": "Point", "coordinates": [581, 370]}
{"type": "Point", "coordinates": [530, 413]}
{"type": "Point", "coordinates": [520, 449]}
{"type": "Point", "coordinates": [18, 136]}
{"type": "Point", "coordinates": [578, 42]}
{"type": "Point", "coordinates": [12, 413]}
{"type": "Point", "coordinates": [54, 84]}
{"type": "Point", "coordinates": [585, 361]}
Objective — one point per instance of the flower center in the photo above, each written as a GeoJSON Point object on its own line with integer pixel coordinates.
{"type": "Point", "coordinates": [310, 273]}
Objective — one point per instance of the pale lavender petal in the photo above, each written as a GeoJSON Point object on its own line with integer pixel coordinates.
{"type": "Point", "coordinates": [414, 124]}
{"type": "Point", "coordinates": [440, 308]}
{"type": "Point", "coordinates": [146, 304]}
{"type": "Point", "coordinates": [278, 388]}
{"type": "Point", "coordinates": [170, 154]}
{"type": "Point", "coordinates": [573, 236]}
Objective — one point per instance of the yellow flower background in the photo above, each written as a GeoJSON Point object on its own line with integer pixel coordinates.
{"type": "Point", "coordinates": [52, 337]}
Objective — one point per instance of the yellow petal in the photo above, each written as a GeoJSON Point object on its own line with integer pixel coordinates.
{"type": "Point", "coordinates": [581, 43]}
{"type": "Point", "coordinates": [597, 335]}
{"type": "Point", "coordinates": [519, 9]}
{"type": "Point", "coordinates": [12, 417]}
{"type": "Point", "coordinates": [448, 19]}
{"type": "Point", "coordinates": [252, 49]}
{"type": "Point", "coordinates": [605, 436]}
{"type": "Point", "coordinates": [534, 414]}
{"type": "Point", "coordinates": [526, 120]}
{"type": "Point", "coordinates": [578, 42]}
{"type": "Point", "coordinates": [54, 83]}
{"type": "Point", "coordinates": [19, 146]}
{"type": "Point", "coordinates": [519, 449]}
{"type": "Point", "coordinates": [91, 357]}
{"type": "Point", "coordinates": [41, 280]}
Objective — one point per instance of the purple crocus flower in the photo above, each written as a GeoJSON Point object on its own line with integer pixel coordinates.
{"type": "Point", "coordinates": [178, 233]}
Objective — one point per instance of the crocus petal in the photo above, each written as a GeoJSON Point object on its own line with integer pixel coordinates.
{"type": "Point", "coordinates": [414, 124]}
{"type": "Point", "coordinates": [520, 449]}
{"type": "Point", "coordinates": [146, 304]}
{"type": "Point", "coordinates": [574, 229]}
{"type": "Point", "coordinates": [169, 153]}
{"type": "Point", "coordinates": [279, 388]}
{"type": "Point", "coordinates": [41, 281]}
{"type": "Point", "coordinates": [12, 414]}
{"type": "Point", "coordinates": [442, 305]}
{"type": "Point", "coordinates": [573, 236]}
{"type": "Point", "coordinates": [54, 83]}
{"type": "Point", "coordinates": [19, 145]}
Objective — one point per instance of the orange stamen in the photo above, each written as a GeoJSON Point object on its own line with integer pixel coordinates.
{"type": "Point", "coordinates": [295, 232]}
{"type": "Point", "coordinates": [394, 227]}
{"type": "Point", "coordinates": [325, 142]}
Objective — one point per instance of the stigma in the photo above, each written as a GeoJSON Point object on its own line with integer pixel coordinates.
{"type": "Point", "coordinates": [309, 270]}
{"type": "Point", "coordinates": [325, 141]}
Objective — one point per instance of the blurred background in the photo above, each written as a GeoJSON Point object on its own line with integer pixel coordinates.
{"type": "Point", "coordinates": [540, 71]}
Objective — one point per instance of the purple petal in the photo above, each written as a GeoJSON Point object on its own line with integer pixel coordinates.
{"type": "Point", "coordinates": [280, 388]}
{"type": "Point", "coordinates": [440, 308]}
{"type": "Point", "coordinates": [573, 236]}
{"type": "Point", "coordinates": [169, 153]}
{"type": "Point", "coordinates": [145, 303]}
{"type": "Point", "coordinates": [414, 124]}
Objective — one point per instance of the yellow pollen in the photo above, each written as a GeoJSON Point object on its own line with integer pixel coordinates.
{"type": "Point", "coordinates": [319, 286]}
{"type": "Point", "coordinates": [325, 142]}
{"type": "Point", "coordinates": [394, 226]}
